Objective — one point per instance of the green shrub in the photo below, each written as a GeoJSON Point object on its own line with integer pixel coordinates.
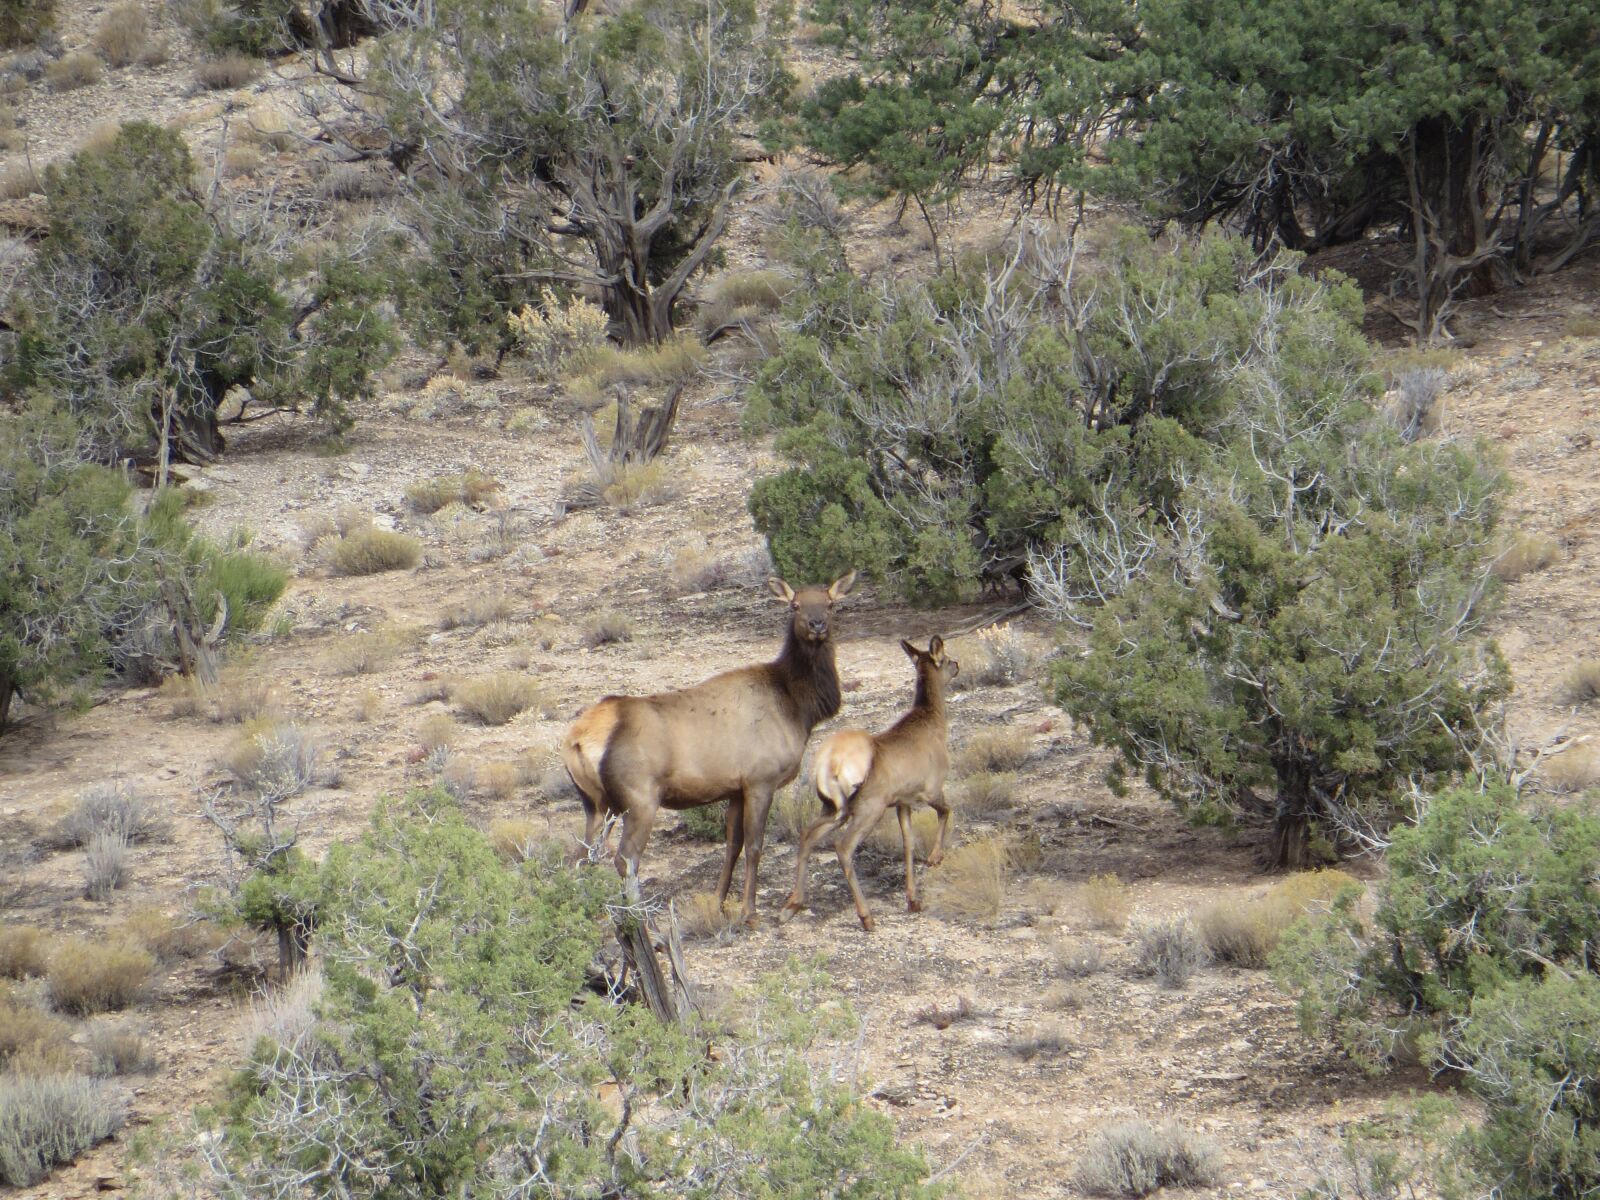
{"type": "Point", "coordinates": [143, 310]}
{"type": "Point", "coordinates": [21, 21]}
{"type": "Point", "coordinates": [440, 957]}
{"type": "Point", "coordinates": [1525, 1047]}
{"type": "Point", "coordinates": [708, 822]}
{"type": "Point", "coordinates": [48, 1120]}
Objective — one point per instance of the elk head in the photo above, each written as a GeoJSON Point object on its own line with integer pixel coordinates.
{"type": "Point", "coordinates": [811, 608]}
{"type": "Point", "coordinates": [933, 658]}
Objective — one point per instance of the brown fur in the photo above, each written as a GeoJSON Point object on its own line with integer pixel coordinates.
{"type": "Point", "coordinates": [738, 736]}
{"type": "Point", "coordinates": [860, 775]}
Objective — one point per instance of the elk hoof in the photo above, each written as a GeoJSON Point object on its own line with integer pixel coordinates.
{"type": "Point", "coordinates": [935, 859]}
{"type": "Point", "coordinates": [751, 921]}
{"type": "Point", "coordinates": [788, 913]}
{"type": "Point", "coordinates": [867, 923]}
{"type": "Point", "coordinates": [913, 905]}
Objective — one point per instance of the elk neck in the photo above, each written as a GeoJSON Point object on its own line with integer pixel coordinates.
{"type": "Point", "coordinates": [807, 672]}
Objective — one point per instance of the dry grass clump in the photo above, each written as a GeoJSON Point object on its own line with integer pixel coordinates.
{"type": "Point", "coordinates": [19, 179]}
{"type": "Point", "coordinates": [501, 780]}
{"type": "Point", "coordinates": [367, 550]}
{"type": "Point", "coordinates": [793, 808]}
{"type": "Point", "coordinates": [112, 807]}
{"type": "Point", "coordinates": [738, 296]}
{"type": "Point", "coordinates": [117, 1048]}
{"type": "Point", "coordinates": [1135, 1158]}
{"type": "Point", "coordinates": [993, 750]}
{"type": "Point", "coordinates": [1243, 935]}
{"type": "Point", "coordinates": [226, 71]}
{"type": "Point", "coordinates": [168, 939]}
{"type": "Point", "coordinates": [348, 183]}
{"type": "Point", "coordinates": [1583, 681]}
{"type": "Point", "coordinates": [470, 489]}
{"type": "Point", "coordinates": [1049, 1040]}
{"type": "Point", "coordinates": [24, 951]}
{"type": "Point", "coordinates": [76, 70]}
{"type": "Point", "coordinates": [703, 915]}
{"type": "Point", "coordinates": [942, 1017]}
{"type": "Point", "coordinates": [985, 793]}
{"type": "Point", "coordinates": [606, 628]}
{"type": "Point", "coordinates": [1064, 997]}
{"type": "Point", "coordinates": [31, 1040]}
{"type": "Point", "coordinates": [495, 699]}
{"type": "Point", "coordinates": [1077, 958]}
{"type": "Point", "coordinates": [89, 977]}
{"type": "Point", "coordinates": [638, 485]}
{"type": "Point", "coordinates": [239, 697]}
{"type": "Point", "coordinates": [1574, 770]}
{"type": "Point", "coordinates": [285, 1015]}
{"type": "Point", "coordinates": [605, 367]}
{"type": "Point", "coordinates": [11, 137]}
{"type": "Point", "coordinates": [1582, 325]}
{"type": "Point", "coordinates": [122, 35]}
{"type": "Point", "coordinates": [1168, 950]}
{"type": "Point", "coordinates": [998, 657]}
{"type": "Point", "coordinates": [367, 652]}
{"type": "Point", "coordinates": [274, 757]}
{"type": "Point", "coordinates": [185, 695]}
{"type": "Point", "coordinates": [267, 126]}
{"type": "Point", "coordinates": [369, 705]}
{"type": "Point", "coordinates": [515, 838]}
{"type": "Point", "coordinates": [697, 568]}
{"type": "Point", "coordinates": [47, 1120]}
{"type": "Point", "coordinates": [437, 731]}
{"type": "Point", "coordinates": [1525, 554]}
{"type": "Point", "coordinates": [1104, 901]}
{"type": "Point", "coordinates": [973, 879]}
{"type": "Point", "coordinates": [884, 837]}
{"type": "Point", "coordinates": [477, 611]}
{"type": "Point", "coordinates": [105, 864]}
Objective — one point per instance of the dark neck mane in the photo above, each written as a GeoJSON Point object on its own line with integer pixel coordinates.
{"type": "Point", "coordinates": [930, 694]}
{"type": "Point", "coordinates": [807, 672]}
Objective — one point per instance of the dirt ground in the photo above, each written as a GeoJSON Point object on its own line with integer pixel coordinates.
{"type": "Point", "coordinates": [1004, 1099]}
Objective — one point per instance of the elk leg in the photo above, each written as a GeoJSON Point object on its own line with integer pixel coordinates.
{"type": "Point", "coordinates": [636, 823]}
{"type": "Point", "coordinates": [845, 848]}
{"type": "Point", "coordinates": [814, 833]}
{"type": "Point", "coordinates": [908, 836]}
{"type": "Point", "coordinates": [941, 806]}
{"type": "Point", "coordinates": [756, 803]}
{"type": "Point", "coordinates": [730, 852]}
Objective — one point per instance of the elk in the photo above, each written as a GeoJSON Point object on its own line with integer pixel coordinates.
{"type": "Point", "coordinates": [738, 736]}
{"type": "Point", "coordinates": [859, 775]}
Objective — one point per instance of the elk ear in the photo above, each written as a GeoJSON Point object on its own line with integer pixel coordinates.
{"type": "Point", "coordinates": [911, 651]}
{"type": "Point", "coordinates": [954, 667]}
{"type": "Point", "coordinates": [936, 647]}
{"type": "Point", "coordinates": [840, 587]}
{"type": "Point", "coordinates": [780, 589]}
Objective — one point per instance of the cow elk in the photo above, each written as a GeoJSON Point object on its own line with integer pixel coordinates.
{"type": "Point", "coordinates": [738, 736]}
{"type": "Point", "coordinates": [860, 775]}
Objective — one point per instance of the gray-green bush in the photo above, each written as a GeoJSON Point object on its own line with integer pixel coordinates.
{"type": "Point", "coordinates": [456, 1042]}
{"type": "Point", "coordinates": [47, 1120]}
{"type": "Point", "coordinates": [1480, 957]}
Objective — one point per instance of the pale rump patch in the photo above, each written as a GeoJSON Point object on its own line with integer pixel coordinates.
{"type": "Point", "coordinates": [585, 745]}
{"type": "Point", "coordinates": [843, 763]}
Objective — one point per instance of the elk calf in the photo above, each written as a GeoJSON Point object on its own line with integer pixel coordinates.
{"type": "Point", "coordinates": [738, 736]}
{"type": "Point", "coordinates": [859, 775]}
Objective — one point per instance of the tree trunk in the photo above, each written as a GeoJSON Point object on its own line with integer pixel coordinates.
{"type": "Point", "coordinates": [294, 939]}
{"type": "Point", "coordinates": [1291, 825]}
{"type": "Point", "coordinates": [1446, 170]}
{"type": "Point", "coordinates": [8, 689]}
